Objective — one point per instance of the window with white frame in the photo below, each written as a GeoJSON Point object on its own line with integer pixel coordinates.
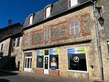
{"type": "Point", "coordinates": [77, 59]}
{"type": "Point", "coordinates": [75, 27]}
{"type": "Point", "coordinates": [47, 11]}
{"type": "Point", "coordinates": [31, 20]}
{"type": "Point", "coordinates": [73, 3]}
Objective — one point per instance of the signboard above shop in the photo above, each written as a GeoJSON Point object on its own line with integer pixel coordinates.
{"type": "Point", "coordinates": [54, 51]}
{"type": "Point", "coordinates": [40, 52]}
{"type": "Point", "coordinates": [78, 50]}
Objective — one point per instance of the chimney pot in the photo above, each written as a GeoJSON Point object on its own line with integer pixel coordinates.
{"type": "Point", "coordinates": [9, 22]}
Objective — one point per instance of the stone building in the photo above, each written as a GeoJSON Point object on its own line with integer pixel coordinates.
{"type": "Point", "coordinates": [8, 57]}
{"type": "Point", "coordinates": [66, 39]}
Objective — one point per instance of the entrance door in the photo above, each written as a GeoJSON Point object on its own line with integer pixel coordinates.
{"type": "Point", "coordinates": [28, 63]}
{"type": "Point", "coordinates": [46, 64]}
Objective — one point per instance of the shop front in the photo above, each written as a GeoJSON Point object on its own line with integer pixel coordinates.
{"type": "Point", "coordinates": [71, 60]}
{"type": "Point", "coordinates": [47, 61]}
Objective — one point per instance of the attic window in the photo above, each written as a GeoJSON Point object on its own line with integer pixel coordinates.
{"type": "Point", "coordinates": [73, 3]}
{"type": "Point", "coordinates": [30, 20]}
{"type": "Point", "coordinates": [47, 11]}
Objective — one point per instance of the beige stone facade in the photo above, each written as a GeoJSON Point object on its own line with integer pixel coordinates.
{"type": "Point", "coordinates": [60, 37]}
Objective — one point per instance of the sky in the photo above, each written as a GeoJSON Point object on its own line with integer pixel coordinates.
{"type": "Point", "coordinates": [18, 10]}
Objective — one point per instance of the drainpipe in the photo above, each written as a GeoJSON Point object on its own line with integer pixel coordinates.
{"type": "Point", "coordinates": [95, 12]}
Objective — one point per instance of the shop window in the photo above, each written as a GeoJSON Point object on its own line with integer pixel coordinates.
{"type": "Point", "coordinates": [40, 57]}
{"type": "Point", "coordinates": [47, 11]}
{"type": "Point", "coordinates": [77, 59]}
{"type": "Point", "coordinates": [54, 58]}
{"type": "Point", "coordinates": [73, 3]}
{"type": "Point", "coordinates": [75, 27]}
{"type": "Point", "coordinates": [54, 61]}
{"type": "Point", "coordinates": [40, 61]}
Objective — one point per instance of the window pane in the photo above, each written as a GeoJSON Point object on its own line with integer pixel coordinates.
{"type": "Point", "coordinates": [75, 27]}
{"type": "Point", "coordinates": [48, 9]}
{"type": "Point", "coordinates": [77, 62]}
{"type": "Point", "coordinates": [54, 61]}
{"type": "Point", "coordinates": [31, 20]}
{"type": "Point", "coordinates": [77, 31]}
{"type": "Point", "coordinates": [46, 52]}
{"type": "Point", "coordinates": [40, 61]}
{"type": "Point", "coordinates": [73, 2]}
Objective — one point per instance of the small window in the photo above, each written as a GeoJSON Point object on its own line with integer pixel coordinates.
{"type": "Point", "coordinates": [75, 27]}
{"type": "Point", "coordinates": [31, 20]}
{"type": "Point", "coordinates": [1, 47]}
{"type": "Point", "coordinates": [18, 42]}
{"type": "Point", "coordinates": [73, 3]}
{"type": "Point", "coordinates": [47, 11]}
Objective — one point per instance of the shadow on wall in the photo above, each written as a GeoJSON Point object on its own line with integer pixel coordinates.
{"type": "Point", "coordinates": [4, 80]}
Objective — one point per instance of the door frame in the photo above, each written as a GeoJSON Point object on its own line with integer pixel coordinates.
{"type": "Point", "coordinates": [26, 62]}
{"type": "Point", "coordinates": [46, 71]}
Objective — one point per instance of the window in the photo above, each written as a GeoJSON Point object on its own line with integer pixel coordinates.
{"type": "Point", "coordinates": [47, 34]}
{"type": "Point", "coordinates": [40, 61]}
{"type": "Point", "coordinates": [77, 59]}
{"type": "Point", "coordinates": [54, 61]}
{"type": "Point", "coordinates": [54, 52]}
{"type": "Point", "coordinates": [47, 11]}
{"type": "Point", "coordinates": [75, 27]}
{"type": "Point", "coordinates": [73, 3]}
{"type": "Point", "coordinates": [18, 42]}
{"type": "Point", "coordinates": [31, 20]}
{"type": "Point", "coordinates": [2, 47]}
{"type": "Point", "coordinates": [40, 57]}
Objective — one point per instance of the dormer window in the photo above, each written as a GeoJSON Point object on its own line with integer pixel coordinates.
{"type": "Point", "coordinates": [73, 3]}
{"type": "Point", "coordinates": [30, 20]}
{"type": "Point", "coordinates": [48, 11]}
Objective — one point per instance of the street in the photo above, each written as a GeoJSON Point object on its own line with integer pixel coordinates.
{"type": "Point", "coordinates": [31, 77]}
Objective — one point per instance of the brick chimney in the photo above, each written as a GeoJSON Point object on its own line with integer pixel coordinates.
{"type": "Point", "coordinates": [9, 22]}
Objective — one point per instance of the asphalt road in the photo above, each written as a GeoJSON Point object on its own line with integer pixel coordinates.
{"type": "Point", "coordinates": [30, 77]}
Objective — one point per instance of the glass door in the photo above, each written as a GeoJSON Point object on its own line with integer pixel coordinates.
{"type": "Point", "coordinates": [28, 64]}
{"type": "Point", "coordinates": [46, 64]}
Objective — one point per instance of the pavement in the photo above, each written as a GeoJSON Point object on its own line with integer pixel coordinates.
{"type": "Point", "coordinates": [48, 78]}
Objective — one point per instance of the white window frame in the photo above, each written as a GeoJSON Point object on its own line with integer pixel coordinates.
{"type": "Point", "coordinates": [31, 20]}
{"type": "Point", "coordinates": [75, 26]}
{"type": "Point", "coordinates": [77, 70]}
{"type": "Point", "coordinates": [47, 11]}
{"type": "Point", "coordinates": [73, 3]}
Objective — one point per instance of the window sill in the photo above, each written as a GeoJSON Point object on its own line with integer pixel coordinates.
{"type": "Point", "coordinates": [78, 71]}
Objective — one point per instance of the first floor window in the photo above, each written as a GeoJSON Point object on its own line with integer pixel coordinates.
{"type": "Point", "coordinates": [40, 61]}
{"type": "Point", "coordinates": [77, 59]}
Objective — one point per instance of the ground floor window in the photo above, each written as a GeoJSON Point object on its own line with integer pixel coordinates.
{"type": "Point", "coordinates": [77, 59]}
{"type": "Point", "coordinates": [54, 61]}
{"type": "Point", "coordinates": [40, 61]}
{"type": "Point", "coordinates": [54, 52]}
{"type": "Point", "coordinates": [40, 58]}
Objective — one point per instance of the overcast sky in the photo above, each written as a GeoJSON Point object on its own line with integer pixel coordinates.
{"type": "Point", "coordinates": [18, 10]}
